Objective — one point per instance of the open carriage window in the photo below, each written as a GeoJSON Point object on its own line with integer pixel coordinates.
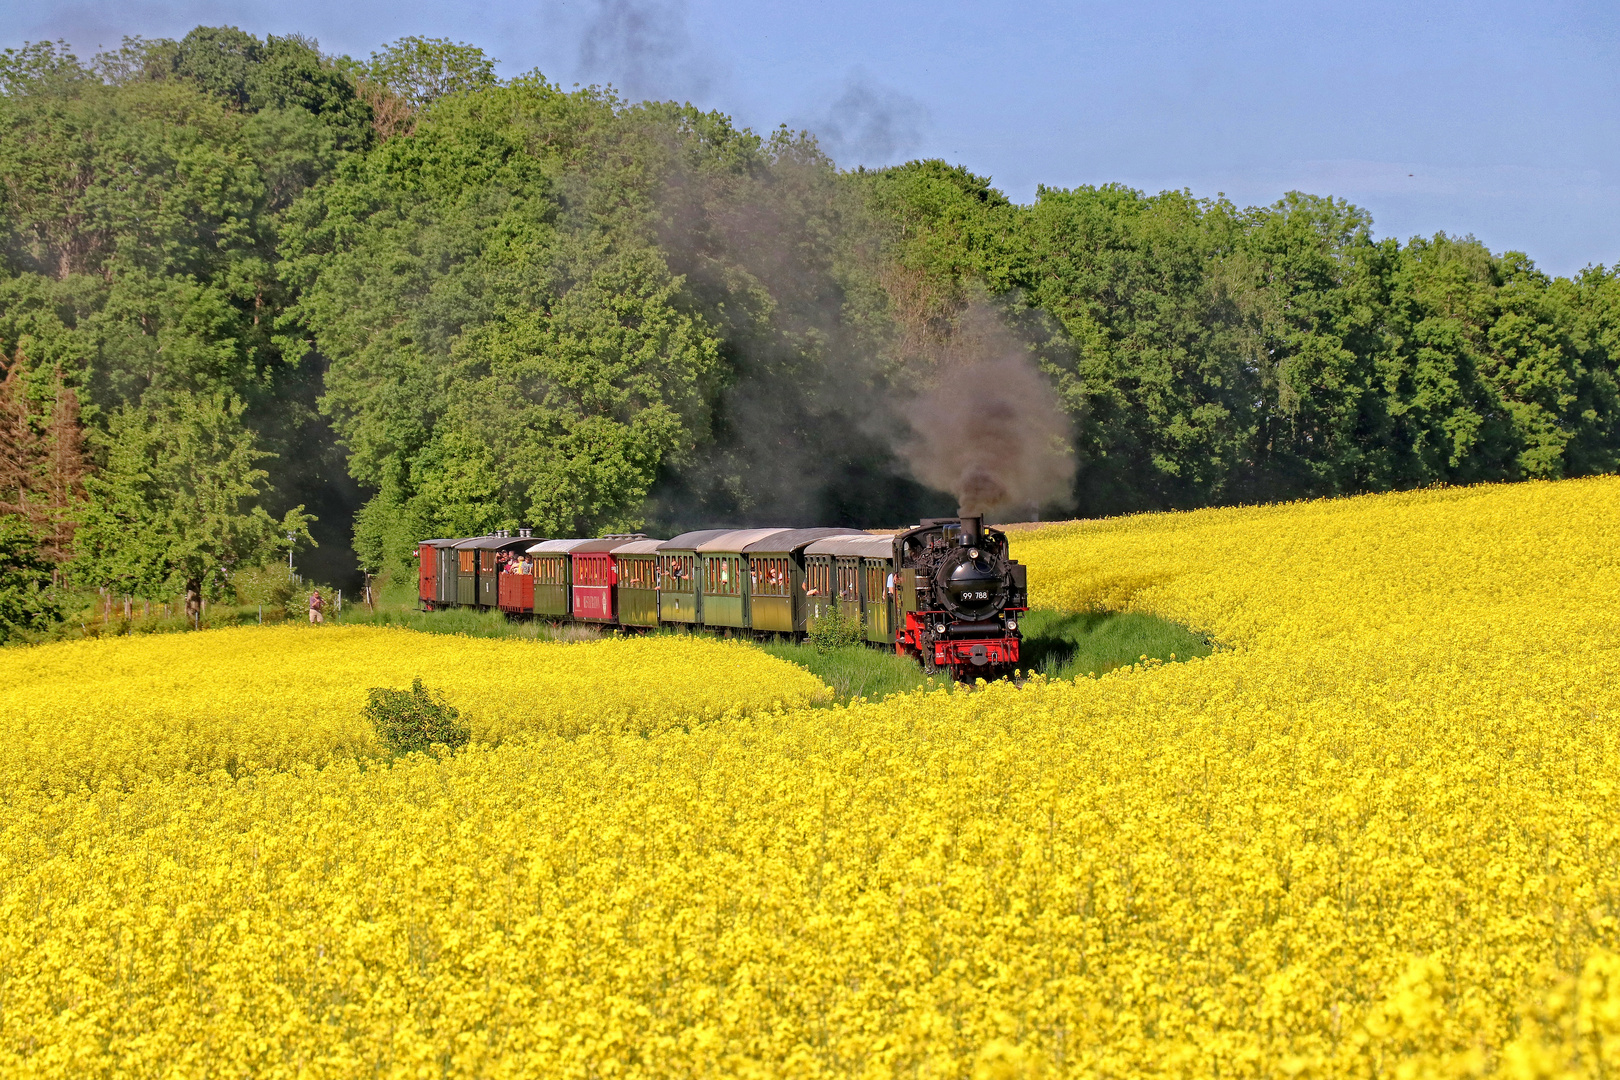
{"type": "Point", "coordinates": [637, 574]}
{"type": "Point", "coordinates": [879, 581]}
{"type": "Point", "coordinates": [849, 587]}
{"type": "Point", "coordinates": [677, 573]}
{"type": "Point", "coordinates": [818, 576]}
{"type": "Point", "coordinates": [770, 577]}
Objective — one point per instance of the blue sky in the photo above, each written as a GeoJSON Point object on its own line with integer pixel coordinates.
{"type": "Point", "coordinates": [1497, 119]}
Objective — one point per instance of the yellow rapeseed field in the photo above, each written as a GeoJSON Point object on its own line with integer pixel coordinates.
{"type": "Point", "coordinates": [80, 714]}
{"type": "Point", "coordinates": [1376, 834]}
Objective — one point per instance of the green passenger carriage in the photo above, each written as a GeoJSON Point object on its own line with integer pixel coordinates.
{"type": "Point", "coordinates": [553, 573]}
{"type": "Point", "coordinates": [854, 573]}
{"type": "Point", "coordinates": [680, 595]}
{"type": "Point", "coordinates": [777, 600]}
{"type": "Point", "coordinates": [638, 582]}
{"type": "Point", "coordinates": [724, 569]}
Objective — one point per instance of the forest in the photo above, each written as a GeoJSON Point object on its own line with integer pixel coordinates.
{"type": "Point", "coordinates": [256, 299]}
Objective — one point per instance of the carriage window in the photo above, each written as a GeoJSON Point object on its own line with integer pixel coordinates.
{"type": "Point", "coordinates": [849, 584]}
{"type": "Point", "coordinates": [770, 577]}
{"type": "Point", "coordinates": [817, 577]}
{"type": "Point", "coordinates": [677, 573]}
{"type": "Point", "coordinates": [877, 580]}
{"type": "Point", "coordinates": [722, 575]}
{"type": "Point", "coordinates": [468, 560]}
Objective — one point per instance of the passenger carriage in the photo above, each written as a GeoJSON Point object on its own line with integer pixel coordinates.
{"type": "Point", "coordinates": [553, 576]}
{"type": "Point", "coordinates": [680, 588]}
{"type": "Point", "coordinates": [725, 573]}
{"type": "Point", "coordinates": [478, 570]}
{"type": "Point", "coordinates": [637, 569]}
{"type": "Point", "coordinates": [591, 595]}
{"type": "Point", "coordinates": [777, 601]}
{"type": "Point", "coordinates": [436, 572]}
{"type": "Point", "coordinates": [832, 577]}
{"type": "Point", "coordinates": [854, 574]}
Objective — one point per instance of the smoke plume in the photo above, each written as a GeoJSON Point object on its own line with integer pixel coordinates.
{"type": "Point", "coordinates": [990, 430]}
{"type": "Point", "coordinates": [644, 46]}
{"type": "Point", "coordinates": [869, 123]}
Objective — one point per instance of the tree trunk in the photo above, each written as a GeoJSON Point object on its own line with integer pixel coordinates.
{"type": "Point", "coordinates": [194, 600]}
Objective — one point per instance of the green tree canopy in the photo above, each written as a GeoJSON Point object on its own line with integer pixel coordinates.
{"type": "Point", "coordinates": [29, 602]}
{"type": "Point", "coordinates": [423, 70]}
{"type": "Point", "coordinates": [176, 507]}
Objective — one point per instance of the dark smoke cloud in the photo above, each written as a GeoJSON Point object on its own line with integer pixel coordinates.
{"type": "Point", "coordinates": [990, 430]}
{"type": "Point", "coordinates": [869, 123]}
{"type": "Point", "coordinates": [643, 47]}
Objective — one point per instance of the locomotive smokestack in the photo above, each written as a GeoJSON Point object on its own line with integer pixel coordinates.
{"type": "Point", "coordinates": [972, 530]}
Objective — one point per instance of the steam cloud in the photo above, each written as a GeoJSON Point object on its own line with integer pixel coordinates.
{"type": "Point", "coordinates": [990, 429]}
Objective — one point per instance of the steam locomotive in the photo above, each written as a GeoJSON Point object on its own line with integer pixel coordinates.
{"type": "Point", "coordinates": [944, 591]}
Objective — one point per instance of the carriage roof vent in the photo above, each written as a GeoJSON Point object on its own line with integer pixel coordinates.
{"type": "Point", "coordinates": [524, 534]}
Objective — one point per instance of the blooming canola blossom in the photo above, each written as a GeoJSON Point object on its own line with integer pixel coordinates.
{"type": "Point", "coordinates": [1377, 832]}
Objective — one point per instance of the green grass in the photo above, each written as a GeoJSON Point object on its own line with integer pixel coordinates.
{"type": "Point", "coordinates": [1070, 644]}
{"type": "Point", "coordinates": [1058, 644]}
{"type": "Point", "coordinates": [858, 671]}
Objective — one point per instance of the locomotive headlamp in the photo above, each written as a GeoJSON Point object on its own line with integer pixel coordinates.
{"type": "Point", "coordinates": [973, 553]}
{"type": "Point", "coordinates": [939, 628]}
{"type": "Point", "coordinates": [1012, 624]}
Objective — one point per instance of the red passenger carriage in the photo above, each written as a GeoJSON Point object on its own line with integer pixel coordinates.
{"type": "Point", "coordinates": [595, 574]}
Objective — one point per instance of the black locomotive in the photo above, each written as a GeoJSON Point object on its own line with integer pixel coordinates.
{"type": "Point", "coordinates": [945, 591]}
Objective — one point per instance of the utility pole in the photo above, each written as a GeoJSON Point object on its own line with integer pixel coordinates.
{"type": "Point", "coordinates": [291, 537]}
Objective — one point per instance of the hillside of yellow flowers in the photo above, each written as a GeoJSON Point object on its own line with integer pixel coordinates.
{"type": "Point", "coordinates": [1376, 834]}
{"type": "Point", "coordinates": [79, 714]}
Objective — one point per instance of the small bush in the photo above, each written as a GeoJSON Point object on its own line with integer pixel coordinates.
{"type": "Point", "coordinates": [412, 720]}
{"type": "Point", "coordinates": [835, 631]}
{"type": "Point", "coordinates": [271, 586]}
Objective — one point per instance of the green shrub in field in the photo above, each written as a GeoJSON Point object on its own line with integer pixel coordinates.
{"type": "Point", "coordinates": [835, 631]}
{"type": "Point", "coordinates": [274, 588]}
{"type": "Point", "coordinates": [271, 586]}
{"type": "Point", "coordinates": [413, 720]}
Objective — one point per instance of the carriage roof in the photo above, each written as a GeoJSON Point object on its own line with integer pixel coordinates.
{"type": "Point", "coordinates": [492, 543]}
{"type": "Point", "coordinates": [606, 544]}
{"type": "Point", "coordinates": [786, 541]}
{"type": "Point", "coordinates": [638, 547]}
{"type": "Point", "coordinates": [557, 547]}
{"type": "Point", "coordinates": [688, 541]}
{"type": "Point", "coordinates": [736, 540]}
{"type": "Point", "coordinates": [850, 545]}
